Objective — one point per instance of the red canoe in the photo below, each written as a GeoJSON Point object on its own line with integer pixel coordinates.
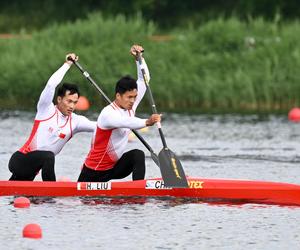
{"type": "Point", "coordinates": [241, 191]}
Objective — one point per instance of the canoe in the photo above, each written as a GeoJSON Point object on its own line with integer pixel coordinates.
{"type": "Point", "coordinates": [227, 190]}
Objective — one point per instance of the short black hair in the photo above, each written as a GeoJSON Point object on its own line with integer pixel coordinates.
{"type": "Point", "coordinates": [73, 88]}
{"type": "Point", "coordinates": [126, 83]}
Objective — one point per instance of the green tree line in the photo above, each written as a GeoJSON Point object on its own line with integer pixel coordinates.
{"type": "Point", "coordinates": [222, 65]}
{"type": "Point", "coordinates": [20, 15]}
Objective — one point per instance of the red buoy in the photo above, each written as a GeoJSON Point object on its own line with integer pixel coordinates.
{"type": "Point", "coordinates": [294, 115]}
{"type": "Point", "coordinates": [21, 202]}
{"type": "Point", "coordinates": [83, 103]}
{"type": "Point", "coordinates": [32, 231]}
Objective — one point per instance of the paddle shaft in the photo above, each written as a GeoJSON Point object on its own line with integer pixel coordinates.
{"type": "Point", "coordinates": [153, 106]}
{"type": "Point", "coordinates": [171, 168]}
{"type": "Point", "coordinates": [88, 77]}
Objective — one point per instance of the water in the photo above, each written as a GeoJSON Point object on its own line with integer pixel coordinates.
{"type": "Point", "coordinates": [238, 147]}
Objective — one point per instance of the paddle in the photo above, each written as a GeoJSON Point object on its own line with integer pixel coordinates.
{"type": "Point", "coordinates": [87, 75]}
{"type": "Point", "coordinates": [171, 168]}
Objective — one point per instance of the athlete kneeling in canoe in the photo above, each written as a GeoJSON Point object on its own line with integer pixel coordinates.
{"type": "Point", "coordinates": [107, 158]}
{"type": "Point", "coordinates": [53, 126]}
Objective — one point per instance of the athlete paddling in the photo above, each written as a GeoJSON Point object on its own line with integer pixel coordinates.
{"type": "Point", "coordinates": [53, 127]}
{"type": "Point", "coordinates": [107, 158]}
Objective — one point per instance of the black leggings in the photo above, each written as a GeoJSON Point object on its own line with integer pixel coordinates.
{"type": "Point", "coordinates": [131, 162]}
{"type": "Point", "coordinates": [25, 167]}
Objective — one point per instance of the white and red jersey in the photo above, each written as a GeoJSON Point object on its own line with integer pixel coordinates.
{"type": "Point", "coordinates": [113, 127]}
{"type": "Point", "coordinates": [51, 129]}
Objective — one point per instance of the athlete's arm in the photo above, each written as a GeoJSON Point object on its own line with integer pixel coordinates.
{"type": "Point", "coordinates": [83, 124]}
{"type": "Point", "coordinates": [45, 102]}
{"type": "Point", "coordinates": [48, 93]}
{"type": "Point", "coordinates": [111, 120]}
{"type": "Point", "coordinates": [140, 81]}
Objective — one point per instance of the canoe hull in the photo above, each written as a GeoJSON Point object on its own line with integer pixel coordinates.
{"type": "Point", "coordinates": [244, 191]}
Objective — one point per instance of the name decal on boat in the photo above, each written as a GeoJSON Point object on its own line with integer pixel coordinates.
{"type": "Point", "coordinates": [156, 184]}
{"type": "Point", "coordinates": [94, 186]}
{"type": "Point", "coordinates": [159, 184]}
{"type": "Point", "coordinates": [196, 184]}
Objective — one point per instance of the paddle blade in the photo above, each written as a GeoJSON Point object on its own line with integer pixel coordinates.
{"type": "Point", "coordinates": [155, 158]}
{"type": "Point", "coordinates": [171, 169]}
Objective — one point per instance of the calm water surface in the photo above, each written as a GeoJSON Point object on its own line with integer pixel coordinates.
{"type": "Point", "coordinates": [238, 147]}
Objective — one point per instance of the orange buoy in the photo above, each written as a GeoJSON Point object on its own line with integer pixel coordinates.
{"type": "Point", "coordinates": [83, 103]}
{"type": "Point", "coordinates": [21, 202]}
{"type": "Point", "coordinates": [294, 115]}
{"type": "Point", "coordinates": [32, 231]}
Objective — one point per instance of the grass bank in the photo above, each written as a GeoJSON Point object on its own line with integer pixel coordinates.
{"type": "Point", "coordinates": [220, 66]}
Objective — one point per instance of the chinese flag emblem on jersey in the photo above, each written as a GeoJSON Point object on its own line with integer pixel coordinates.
{"type": "Point", "coordinates": [62, 136]}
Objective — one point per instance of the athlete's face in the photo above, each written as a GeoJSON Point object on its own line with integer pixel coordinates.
{"type": "Point", "coordinates": [126, 100]}
{"type": "Point", "coordinates": [66, 104]}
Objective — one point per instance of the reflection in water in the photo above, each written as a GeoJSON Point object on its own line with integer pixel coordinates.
{"type": "Point", "coordinates": [168, 202]}
{"type": "Point", "coordinates": [116, 201]}
{"type": "Point", "coordinates": [35, 200]}
{"type": "Point", "coordinates": [160, 202]}
{"type": "Point", "coordinates": [256, 157]}
{"type": "Point", "coordinates": [42, 200]}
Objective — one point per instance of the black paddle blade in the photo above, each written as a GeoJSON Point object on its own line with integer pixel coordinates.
{"type": "Point", "coordinates": [171, 169]}
{"type": "Point", "coordinates": [155, 158]}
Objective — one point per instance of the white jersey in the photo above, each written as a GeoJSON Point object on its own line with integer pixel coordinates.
{"type": "Point", "coordinates": [113, 127]}
{"type": "Point", "coordinates": [51, 129]}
